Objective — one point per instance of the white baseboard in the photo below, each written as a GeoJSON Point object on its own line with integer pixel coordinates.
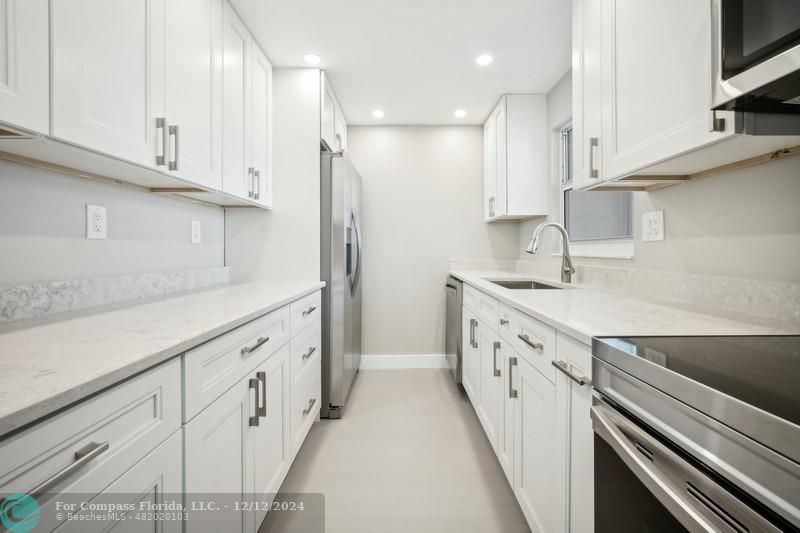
{"type": "Point", "coordinates": [386, 362]}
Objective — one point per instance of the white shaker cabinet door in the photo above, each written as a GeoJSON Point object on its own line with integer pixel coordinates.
{"type": "Point", "coordinates": [261, 117]}
{"type": "Point", "coordinates": [218, 454]}
{"type": "Point", "coordinates": [237, 172]}
{"type": "Point", "coordinates": [488, 408]}
{"type": "Point", "coordinates": [470, 357]}
{"type": "Point", "coordinates": [656, 87]}
{"type": "Point", "coordinates": [586, 91]}
{"type": "Point", "coordinates": [194, 89]}
{"type": "Point", "coordinates": [24, 64]}
{"type": "Point", "coordinates": [271, 437]}
{"type": "Point", "coordinates": [108, 75]}
{"type": "Point", "coordinates": [539, 480]}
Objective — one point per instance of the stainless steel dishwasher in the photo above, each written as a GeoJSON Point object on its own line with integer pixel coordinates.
{"type": "Point", "coordinates": [452, 342]}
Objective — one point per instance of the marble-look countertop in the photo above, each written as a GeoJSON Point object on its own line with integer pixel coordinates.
{"type": "Point", "coordinates": [48, 365]}
{"type": "Point", "coordinates": [583, 313]}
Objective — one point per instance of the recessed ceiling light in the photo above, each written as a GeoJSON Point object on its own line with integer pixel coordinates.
{"type": "Point", "coordinates": [460, 113]}
{"type": "Point", "coordinates": [377, 113]}
{"type": "Point", "coordinates": [312, 59]}
{"type": "Point", "coordinates": [484, 59]}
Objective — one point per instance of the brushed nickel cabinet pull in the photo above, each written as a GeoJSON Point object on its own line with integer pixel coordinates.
{"type": "Point", "coordinates": [309, 310]}
{"type": "Point", "coordinates": [512, 362]}
{"type": "Point", "coordinates": [494, 361]}
{"type": "Point", "coordinates": [527, 340]}
{"type": "Point", "coordinates": [161, 126]}
{"type": "Point", "coordinates": [82, 457]}
{"type": "Point", "coordinates": [503, 322]}
{"type": "Point", "coordinates": [175, 133]}
{"type": "Point", "coordinates": [262, 409]}
{"type": "Point", "coordinates": [259, 343]}
{"type": "Point", "coordinates": [250, 182]}
{"type": "Point", "coordinates": [253, 384]}
{"type": "Point", "coordinates": [564, 368]}
{"type": "Point", "coordinates": [257, 188]}
{"type": "Point", "coordinates": [309, 352]}
{"type": "Point", "coordinates": [594, 142]}
{"type": "Point", "coordinates": [311, 403]}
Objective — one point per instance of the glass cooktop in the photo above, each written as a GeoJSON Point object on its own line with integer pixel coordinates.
{"type": "Point", "coordinates": [762, 371]}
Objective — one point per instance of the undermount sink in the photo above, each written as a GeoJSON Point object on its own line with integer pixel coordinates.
{"type": "Point", "coordinates": [522, 284]}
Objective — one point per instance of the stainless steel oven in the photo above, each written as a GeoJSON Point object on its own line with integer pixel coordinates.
{"type": "Point", "coordinates": [678, 444]}
{"type": "Point", "coordinates": [756, 59]}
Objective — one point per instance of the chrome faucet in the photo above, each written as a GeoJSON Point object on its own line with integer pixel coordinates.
{"type": "Point", "coordinates": [567, 270]}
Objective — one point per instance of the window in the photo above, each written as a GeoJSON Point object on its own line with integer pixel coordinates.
{"type": "Point", "coordinates": [603, 220]}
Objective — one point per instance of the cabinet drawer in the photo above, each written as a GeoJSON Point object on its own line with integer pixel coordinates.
{"type": "Point", "coordinates": [131, 419]}
{"type": "Point", "coordinates": [216, 366]}
{"type": "Point", "coordinates": [305, 406]}
{"type": "Point", "coordinates": [536, 342]}
{"type": "Point", "coordinates": [471, 298]}
{"type": "Point", "coordinates": [305, 311]}
{"type": "Point", "coordinates": [306, 350]}
{"type": "Point", "coordinates": [489, 311]}
{"type": "Point", "coordinates": [507, 323]}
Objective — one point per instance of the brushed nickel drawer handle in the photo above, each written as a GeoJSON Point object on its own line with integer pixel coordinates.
{"type": "Point", "coordinates": [472, 325]}
{"type": "Point", "coordinates": [309, 310]}
{"type": "Point", "coordinates": [175, 132]}
{"type": "Point", "coordinates": [259, 343]}
{"type": "Point", "coordinates": [262, 409]}
{"type": "Point", "coordinates": [161, 126]}
{"type": "Point", "coordinates": [503, 322]}
{"type": "Point", "coordinates": [494, 361]}
{"type": "Point", "coordinates": [527, 340]}
{"type": "Point", "coordinates": [512, 362]}
{"type": "Point", "coordinates": [311, 403]}
{"type": "Point", "coordinates": [309, 352]}
{"type": "Point", "coordinates": [82, 457]}
{"type": "Point", "coordinates": [563, 367]}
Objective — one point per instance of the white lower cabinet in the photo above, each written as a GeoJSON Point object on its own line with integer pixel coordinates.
{"type": "Point", "coordinates": [488, 408]}
{"type": "Point", "coordinates": [535, 416]}
{"type": "Point", "coordinates": [539, 463]}
{"type": "Point", "coordinates": [271, 438]}
{"type": "Point", "coordinates": [219, 456]}
{"type": "Point", "coordinates": [470, 356]}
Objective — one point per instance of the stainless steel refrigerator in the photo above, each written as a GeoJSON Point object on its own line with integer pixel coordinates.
{"type": "Point", "coordinates": [341, 261]}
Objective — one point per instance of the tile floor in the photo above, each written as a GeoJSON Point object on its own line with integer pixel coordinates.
{"type": "Point", "coordinates": [409, 455]}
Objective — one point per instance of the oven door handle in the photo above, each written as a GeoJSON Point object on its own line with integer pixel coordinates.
{"type": "Point", "coordinates": [614, 429]}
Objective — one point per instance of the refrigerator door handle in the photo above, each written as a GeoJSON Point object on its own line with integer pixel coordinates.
{"type": "Point", "coordinates": [357, 269]}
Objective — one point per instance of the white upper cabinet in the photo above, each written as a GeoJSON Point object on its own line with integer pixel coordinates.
{"type": "Point", "coordinates": [333, 125]}
{"type": "Point", "coordinates": [237, 174]}
{"type": "Point", "coordinates": [586, 89]}
{"type": "Point", "coordinates": [24, 64]}
{"type": "Point", "coordinates": [656, 88]}
{"type": "Point", "coordinates": [194, 89]}
{"type": "Point", "coordinates": [261, 117]}
{"type": "Point", "coordinates": [515, 158]}
{"type": "Point", "coordinates": [641, 103]}
{"type": "Point", "coordinates": [108, 75]}
{"type": "Point", "coordinates": [246, 113]}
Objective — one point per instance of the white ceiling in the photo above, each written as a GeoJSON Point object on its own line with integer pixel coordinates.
{"type": "Point", "coordinates": [415, 59]}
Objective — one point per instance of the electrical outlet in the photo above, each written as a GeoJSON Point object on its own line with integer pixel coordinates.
{"type": "Point", "coordinates": [96, 222]}
{"type": "Point", "coordinates": [653, 226]}
{"type": "Point", "coordinates": [197, 232]}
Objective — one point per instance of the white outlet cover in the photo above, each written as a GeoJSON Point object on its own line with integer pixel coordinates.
{"type": "Point", "coordinates": [197, 232]}
{"type": "Point", "coordinates": [653, 226]}
{"type": "Point", "coordinates": [96, 222]}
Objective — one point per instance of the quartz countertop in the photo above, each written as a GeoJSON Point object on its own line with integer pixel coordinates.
{"type": "Point", "coordinates": [48, 365]}
{"type": "Point", "coordinates": [583, 313]}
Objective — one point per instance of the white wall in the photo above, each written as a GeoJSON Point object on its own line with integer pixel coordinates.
{"type": "Point", "coordinates": [283, 244]}
{"type": "Point", "coordinates": [43, 229]}
{"type": "Point", "coordinates": [740, 224]}
{"type": "Point", "coordinates": [423, 191]}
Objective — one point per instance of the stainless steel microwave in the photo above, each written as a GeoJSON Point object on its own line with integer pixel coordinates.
{"type": "Point", "coordinates": [756, 60]}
